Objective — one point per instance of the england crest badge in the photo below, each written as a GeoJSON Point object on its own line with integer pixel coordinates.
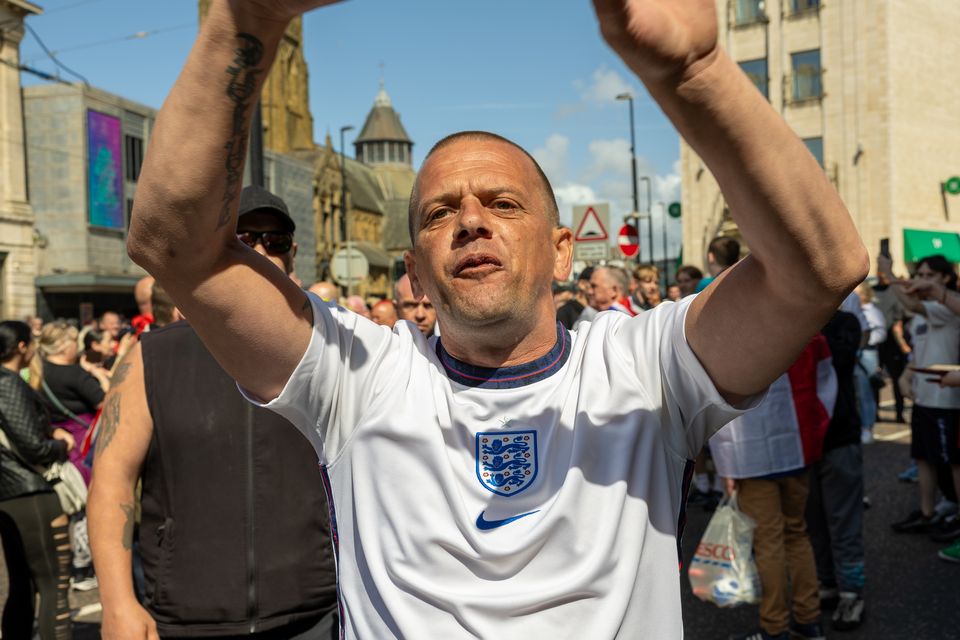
{"type": "Point", "coordinates": [506, 460]}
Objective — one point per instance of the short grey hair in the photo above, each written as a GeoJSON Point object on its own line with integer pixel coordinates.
{"type": "Point", "coordinates": [619, 277]}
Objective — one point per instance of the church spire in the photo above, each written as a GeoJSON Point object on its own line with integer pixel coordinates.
{"type": "Point", "coordinates": [383, 138]}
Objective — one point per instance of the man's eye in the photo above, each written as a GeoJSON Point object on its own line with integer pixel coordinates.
{"type": "Point", "coordinates": [504, 205]}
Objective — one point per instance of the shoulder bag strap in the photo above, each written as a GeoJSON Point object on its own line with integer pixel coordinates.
{"type": "Point", "coordinates": [62, 409]}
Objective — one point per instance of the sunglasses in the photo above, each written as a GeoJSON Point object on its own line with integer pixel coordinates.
{"type": "Point", "coordinates": [274, 242]}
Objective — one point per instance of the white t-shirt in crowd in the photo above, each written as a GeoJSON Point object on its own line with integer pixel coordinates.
{"type": "Point", "coordinates": [876, 324]}
{"type": "Point", "coordinates": [536, 501]}
{"type": "Point", "coordinates": [936, 340]}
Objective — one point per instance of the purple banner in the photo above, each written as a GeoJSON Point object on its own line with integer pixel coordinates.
{"type": "Point", "coordinates": [104, 170]}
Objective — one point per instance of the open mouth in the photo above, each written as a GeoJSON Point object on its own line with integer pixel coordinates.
{"type": "Point", "coordinates": [476, 264]}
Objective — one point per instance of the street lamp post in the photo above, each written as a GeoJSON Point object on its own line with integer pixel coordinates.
{"type": "Point", "coordinates": [663, 218]}
{"type": "Point", "coordinates": [646, 180]}
{"type": "Point", "coordinates": [633, 163]}
{"type": "Point", "coordinates": [344, 228]}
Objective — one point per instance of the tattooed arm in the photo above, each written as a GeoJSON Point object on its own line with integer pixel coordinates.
{"type": "Point", "coordinates": [123, 438]}
{"type": "Point", "coordinates": [253, 318]}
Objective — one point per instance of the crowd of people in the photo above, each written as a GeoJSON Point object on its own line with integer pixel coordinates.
{"type": "Point", "coordinates": [55, 407]}
{"type": "Point", "coordinates": [806, 497]}
{"type": "Point", "coordinates": [796, 462]}
{"type": "Point", "coordinates": [53, 381]}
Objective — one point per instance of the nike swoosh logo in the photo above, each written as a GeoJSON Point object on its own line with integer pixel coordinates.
{"type": "Point", "coordinates": [493, 524]}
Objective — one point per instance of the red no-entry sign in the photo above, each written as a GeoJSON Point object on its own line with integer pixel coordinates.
{"type": "Point", "coordinates": [629, 240]}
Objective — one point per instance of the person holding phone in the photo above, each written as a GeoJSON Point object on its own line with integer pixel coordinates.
{"type": "Point", "coordinates": [935, 421]}
{"type": "Point", "coordinates": [894, 351]}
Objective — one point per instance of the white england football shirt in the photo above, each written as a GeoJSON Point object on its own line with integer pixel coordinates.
{"type": "Point", "coordinates": [536, 501]}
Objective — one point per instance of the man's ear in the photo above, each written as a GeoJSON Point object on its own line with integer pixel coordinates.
{"type": "Point", "coordinates": [410, 260]}
{"type": "Point", "coordinates": [563, 245]}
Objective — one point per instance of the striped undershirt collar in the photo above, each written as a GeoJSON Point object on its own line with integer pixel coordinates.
{"type": "Point", "coordinates": [518, 375]}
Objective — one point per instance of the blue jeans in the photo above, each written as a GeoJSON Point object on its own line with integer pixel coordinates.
{"type": "Point", "coordinates": [866, 403]}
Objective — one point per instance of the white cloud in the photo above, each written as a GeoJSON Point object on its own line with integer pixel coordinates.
{"type": "Point", "coordinates": [667, 188]}
{"type": "Point", "coordinates": [607, 178]}
{"type": "Point", "coordinates": [553, 156]}
{"type": "Point", "coordinates": [606, 84]}
{"type": "Point", "coordinates": [609, 156]}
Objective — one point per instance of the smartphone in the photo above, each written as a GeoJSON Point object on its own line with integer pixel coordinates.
{"type": "Point", "coordinates": [885, 247]}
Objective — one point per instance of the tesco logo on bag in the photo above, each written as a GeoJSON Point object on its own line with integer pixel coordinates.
{"type": "Point", "coordinates": [718, 551]}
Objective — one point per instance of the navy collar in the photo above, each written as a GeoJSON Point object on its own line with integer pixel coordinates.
{"type": "Point", "coordinates": [511, 377]}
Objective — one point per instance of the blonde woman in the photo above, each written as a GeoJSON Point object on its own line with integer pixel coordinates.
{"type": "Point", "coordinates": [72, 392]}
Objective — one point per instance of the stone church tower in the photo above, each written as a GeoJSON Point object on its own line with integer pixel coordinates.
{"type": "Point", "coordinates": [285, 103]}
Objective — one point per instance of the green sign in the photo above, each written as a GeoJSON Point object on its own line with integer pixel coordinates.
{"type": "Point", "coordinates": [952, 185]}
{"type": "Point", "coordinates": [674, 209]}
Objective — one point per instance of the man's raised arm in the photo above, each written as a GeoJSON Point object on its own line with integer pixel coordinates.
{"type": "Point", "coordinates": [806, 255]}
{"type": "Point", "coordinates": [183, 229]}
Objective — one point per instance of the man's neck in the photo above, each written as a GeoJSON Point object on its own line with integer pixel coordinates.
{"type": "Point", "coordinates": [499, 345]}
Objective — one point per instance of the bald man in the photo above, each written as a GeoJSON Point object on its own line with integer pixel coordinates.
{"type": "Point", "coordinates": [142, 292]}
{"type": "Point", "coordinates": [419, 311]}
{"type": "Point", "coordinates": [143, 295]}
{"type": "Point", "coordinates": [384, 313]}
{"type": "Point", "coordinates": [326, 290]}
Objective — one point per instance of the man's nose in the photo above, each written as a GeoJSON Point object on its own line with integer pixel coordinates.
{"type": "Point", "coordinates": [473, 221]}
{"type": "Point", "coordinates": [259, 248]}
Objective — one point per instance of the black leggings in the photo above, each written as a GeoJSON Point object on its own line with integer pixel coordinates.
{"type": "Point", "coordinates": [38, 561]}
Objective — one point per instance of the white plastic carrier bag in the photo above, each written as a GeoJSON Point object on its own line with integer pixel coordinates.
{"type": "Point", "coordinates": [723, 570]}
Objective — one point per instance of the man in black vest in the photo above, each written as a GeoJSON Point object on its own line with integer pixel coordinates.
{"type": "Point", "coordinates": [234, 526]}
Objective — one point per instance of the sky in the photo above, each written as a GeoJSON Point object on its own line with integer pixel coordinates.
{"type": "Point", "coordinates": [535, 71]}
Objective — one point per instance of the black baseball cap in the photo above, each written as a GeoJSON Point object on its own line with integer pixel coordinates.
{"type": "Point", "coordinates": [254, 198]}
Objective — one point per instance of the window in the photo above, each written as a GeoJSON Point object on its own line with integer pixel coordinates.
{"type": "Point", "coordinates": [806, 75]}
{"type": "Point", "coordinates": [801, 6]}
{"type": "Point", "coordinates": [756, 70]}
{"type": "Point", "coordinates": [129, 212]}
{"type": "Point", "coordinates": [748, 11]}
{"type": "Point", "coordinates": [815, 145]}
{"type": "Point", "coordinates": [133, 153]}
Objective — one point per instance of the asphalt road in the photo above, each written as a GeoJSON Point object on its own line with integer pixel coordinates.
{"type": "Point", "coordinates": [911, 594]}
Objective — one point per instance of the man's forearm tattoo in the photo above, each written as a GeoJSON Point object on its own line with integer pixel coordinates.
{"type": "Point", "coordinates": [109, 420]}
{"type": "Point", "coordinates": [120, 374]}
{"type": "Point", "coordinates": [243, 74]}
{"type": "Point", "coordinates": [127, 535]}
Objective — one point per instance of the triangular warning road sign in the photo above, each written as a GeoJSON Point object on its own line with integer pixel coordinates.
{"type": "Point", "coordinates": [590, 227]}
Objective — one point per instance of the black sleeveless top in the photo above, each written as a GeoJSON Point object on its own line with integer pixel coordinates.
{"type": "Point", "coordinates": [234, 532]}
